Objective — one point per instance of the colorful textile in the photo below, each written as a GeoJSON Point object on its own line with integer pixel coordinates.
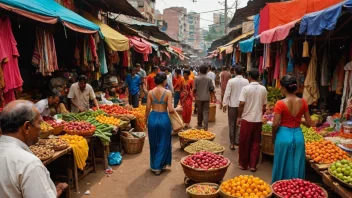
{"type": "Point", "coordinates": [247, 45]}
{"type": "Point", "coordinates": [264, 19]}
{"type": "Point", "coordinates": [311, 91]}
{"type": "Point", "coordinates": [277, 65]}
{"type": "Point", "coordinates": [290, 156]}
{"type": "Point", "coordinates": [256, 24]}
{"type": "Point", "coordinates": [290, 56]}
{"type": "Point", "coordinates": [12, 76]}
{"type": "Point", "coordinates": [159, 133]}
{"type": "Point", "coordinates": [315, 23]}
{"type": "Point", "coordinates": [186, 100]}
{"type": "Point", "coordinates": [150, 81]}
{"type": "Point", "coordinates": [347, 88]}
{"type": "Point", "coordinates": [178, 82]}
{"type": "Point", "coordinates": [44, 55]}
{"type": "Point", "coordinates": [284, 12]}
{"type": "Point", "coordinates": [278, 33]}
{"type": "Point", "coordinates": [102, 59]}
{"type": "Point", "coordinates": [287, 120]}
{"type": "Point", "coordinates": [249, 147]}
{"type": "Point", "coordinates": [305, 51]}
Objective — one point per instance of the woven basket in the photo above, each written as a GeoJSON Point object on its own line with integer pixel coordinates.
{"type": "Point", "coordinates": [221, 152]}
{"type": "Point", "coordinates": [200, 175]}
{"type": "Point", "coordinates": [225, 195]}
{"type": "Point", "coordinates": [214, 195]}
{"type": "Point", "coordinates": [267, 146]}
{"type": "Point", "coordinates": [59, 148]}
{"type": "Point", "coordinates": [278, 196]}
{"type": "Point", "coordinates": [58, 130]}
{"type": "Point", "coordinates": [89, 133]}
{"type": "Point", "coordinates": [186, 142]}
{"type": "Point", "coordinates": [132, 145]}
{"type": "Point", "coordinates": [339, 180]}
{"type": "Point", "coordinates": [45, 134]}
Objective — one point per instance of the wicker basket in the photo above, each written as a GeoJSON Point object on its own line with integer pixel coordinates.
{"type": "Point", "coordinates": [59, 148]}
{"type": "Point", "coordinates": [339, 180]}
{"type": "Point", "coordinates": [132, 145]}
{"type": "Point", "coordinates": [267, 146]}
{"type": "Point", "coordinates": [57, 130]}
{"type": "Point", "coordinates": [89, 133]}
{"type": "Point", "coordinates": [225, 195]}
{"type": "Point", "coordinates": [278, 196]}
{"type": "Point", "coordinates": [45, 134]}
{"type": "Point", "coordinates": [186, 142]}
{"type": "Point", "coordinates": [221, 152]}
{"type": "Point", "coordinates": [200, 175]}
{"type": "Point", "coordinates": [214, 195]}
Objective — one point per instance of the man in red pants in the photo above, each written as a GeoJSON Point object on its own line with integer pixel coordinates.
{"type": "Point", "coordinates": [253, 100]}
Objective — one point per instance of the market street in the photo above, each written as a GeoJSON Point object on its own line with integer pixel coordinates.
{"type": "Point", "coordinates": [133, 178]}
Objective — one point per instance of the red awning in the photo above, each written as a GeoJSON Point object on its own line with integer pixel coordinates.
{"type": "Point", "coordinates": [275, 14]}
{"type": "Point", "coordinates": [139, 46]}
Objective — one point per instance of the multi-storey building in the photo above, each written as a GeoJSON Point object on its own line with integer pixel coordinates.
{"type": "Point", "coordinates": [175, 17]}
{"type": "Point", "coordinates": [193, 31]}
{"type": "Point", "coordinates": [146, 8]}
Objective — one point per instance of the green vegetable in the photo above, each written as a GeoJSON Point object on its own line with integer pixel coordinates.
{"type": "Point", "coordinates": [266, 128]}
{"type": "Point", "coordinates": [204, 145]}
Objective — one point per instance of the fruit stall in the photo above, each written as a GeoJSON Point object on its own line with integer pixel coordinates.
{"type": "Point", "coordinates": [77, 138]}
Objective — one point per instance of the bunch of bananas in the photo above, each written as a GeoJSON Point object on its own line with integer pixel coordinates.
{"type": "Point", "coordinates": [80, 149]}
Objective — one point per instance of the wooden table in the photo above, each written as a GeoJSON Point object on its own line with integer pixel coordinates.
{"type": "Point", "coordinates": [319, 167]}
{"type": "Point", "coordinates": [335, 186]}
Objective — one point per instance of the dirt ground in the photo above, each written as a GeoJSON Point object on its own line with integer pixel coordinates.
{"type": "Point", "coordinates": [133, 178]}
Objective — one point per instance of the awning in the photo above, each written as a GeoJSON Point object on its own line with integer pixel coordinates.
{"type": "Point", "coordinates": [315, 23]}
{"type": "Point", "coordinates": [115, 40]}
{"type": "Point", "coordinates": [48, 11]}
{"type": "Point", "coordinates": [284, 12]}
{"type": "Point", "coordinates": [247, 45]}
{"type": "Point", "coordinates": [277, 34]}
{"type": "Point", "coordinates": [139, 46]}
{"type": "Point", "coordinates": [116, 6]}
{"type": "Point", "coordinates": [155, 47]}
{"type": "Point", "coordinates": [222, 48]}
{"type": "Point", "coordinates": [348, 5]}
{"type": "Point", "coordinates": [166, 53]}
{"type": "Point", "coordinates": [179, 50]}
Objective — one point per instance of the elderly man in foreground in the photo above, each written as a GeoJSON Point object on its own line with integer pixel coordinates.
{"type": "Point", "coordinates": [22, 173]}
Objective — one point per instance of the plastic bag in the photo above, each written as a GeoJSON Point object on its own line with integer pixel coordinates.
{"type": "Point", "coordinates": [114, 158]}
{"type": "Point", "coordinates": [104, 100]}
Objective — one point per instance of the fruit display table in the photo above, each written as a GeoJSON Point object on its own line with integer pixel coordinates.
{"type": "Point", "coordinates": [336, 187]}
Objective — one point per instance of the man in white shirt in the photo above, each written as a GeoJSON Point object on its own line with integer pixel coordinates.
{"type": "Point", "coordinates": [231, 102]}
{"type": "Point", "coordinates": [44, 105]}
{"type": "Point", "coordinates": [22, 173]}
{"type": "Point", "coordinates": [80, 93]}
{"type": "Point", "coordinates": [211, 74]}
{"type": "Point", "coordinates": [253, 100]}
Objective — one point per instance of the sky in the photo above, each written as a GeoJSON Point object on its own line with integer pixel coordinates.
{"type": "Point", "coordinates": [200, 6]}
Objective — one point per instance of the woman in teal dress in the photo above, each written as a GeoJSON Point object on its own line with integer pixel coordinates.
{"type": "Point", "coordinates": [289, 159]}
{"type": "Point", "coordinates": [159, 125]}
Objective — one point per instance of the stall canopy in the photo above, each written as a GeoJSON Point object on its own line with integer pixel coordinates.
{"type": "Point", "coordinates": [278, 33]}
{"type": "Point", "coordinates": [275, 14]}
{"type": "Point", "coordinates": [348, 5]}
{"type": "Point", "coordinates": [115, 40]}
{"type": "Point", "coordinates": [247, 45]}
{"type": "Point", "coordinates": [139, 46]}
{"type": "Point", "coordinates": [315, 23]}
{"type": "Point", "coordinates": [242, 36]}
{"type": "Point", "coordinates": [48, 11]}
{"type": "Point", "coordinates": [116, 6]}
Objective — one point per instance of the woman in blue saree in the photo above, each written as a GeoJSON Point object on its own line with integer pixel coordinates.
{"type": "Point", "coordinates": [290, 158]}
{"type": "Point", "coordinates": [159, 125]}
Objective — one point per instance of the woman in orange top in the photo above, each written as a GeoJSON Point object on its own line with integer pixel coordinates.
{"type": "Point", "coordinates": [177, 83]}
{"type": "Point", "coordinates": [187, 97]}
{"type": "Point", "coordinates": [289, 160]}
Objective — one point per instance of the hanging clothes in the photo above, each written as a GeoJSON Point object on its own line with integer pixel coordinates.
{"type": "Point", "coordinates": [277, 66]}
{"type": "Point", "coordinates": [44, 54]}
{"type": "Point", "coordinates": [8, 57]}
{"type": "Point", "coordinates": [290, 56]}
{"type": "Point", "coordinates": [324, 80]}
{"type": "Point", "coordinates": [347, 90]}
{"type": "Point", "coordinates": [249, 61]}
{"type": "Point", "coordinates": [283, 62]}
{"type": "Point", "coordinates": [266, 56]}
{"type": "Point", "coordinates": [125, 59]}
{"type": "Point", "coordinates": [311, 91]}
{"type": "Point", "coordinates": [305, 53]}
{"type": "Point", "coordinates": [102, 58]}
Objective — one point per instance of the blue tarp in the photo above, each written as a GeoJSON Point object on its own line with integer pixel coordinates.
{"type": "Point", "coordinates": [51, 9]}
{"type": "Point", "coordinates": [315, 23]}
{"type": "Point", "coordinates": [256, 24]}
{"type": "Point", "coordinates": [348, 5]}
{"type": "Point", "coordinates": [247, 45]}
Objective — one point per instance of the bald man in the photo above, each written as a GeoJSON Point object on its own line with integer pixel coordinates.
{"type": "Point", "coordinates": [23, 174]}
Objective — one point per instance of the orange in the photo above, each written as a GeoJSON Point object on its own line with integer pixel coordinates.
{"type": "Point", "coordinates": [265, 193]}
{"type": "Point", "coordinates": [238, 194]}
{"type": "Point", "coordinates": [245, 195]}
{"type": "Point", "coordinates": [255, 191]}
{"type": "Point", "coordinates": [242, 191]}
{"type": "Point", "coordinates": [248, 190]}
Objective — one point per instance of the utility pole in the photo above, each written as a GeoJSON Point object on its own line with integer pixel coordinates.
{"type": "Point", "coordinates": [225, 17]}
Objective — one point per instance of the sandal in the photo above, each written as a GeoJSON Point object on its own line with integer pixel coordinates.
{"type": "Point", "coordinates": [157, 173]}
{"type": "Point", "coordinates": [241, 167]}
{"type": "Point", "coordinates": [232, 147]}
{"type": "Point", "coordinates": [253, 170]}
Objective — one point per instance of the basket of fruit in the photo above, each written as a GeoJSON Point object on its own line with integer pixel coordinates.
{"type": "Point", "coordinates": [204, 145]}
{"type": "Point", "coordinates": [57, 144]}
{"type": "Point", "coordinates": [193, 135]}
{"type": "Point", "coordinates": [132, 142]}
{"type": "Point", "coordinates": [341, 171]}
{"type": "Point", "coordinates": [45, 130]}
{"type": "Point", "coordinates": [325, 152]}
{"type": "Point", "coordinates": [58, 127]}
{"type": "Point", "coordinates": [203, 190]}
{"type": "Point", "coordinates": [297, 188]}
{"type": "Point", "coordinates": [81, 128]}
{"type": "Point", "coordinates": [43, 152]}
{"type": "Point", "coordinates": [205, 167]}
{"type": "Point", "coordinates": [245, 186]}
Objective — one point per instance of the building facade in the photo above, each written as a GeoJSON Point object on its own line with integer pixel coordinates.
{"type": "Point", "coordinates": [146, 8]}
{"type": "Point", "coordinates": [175, 17]}
{"type": "Point", "coordinates": [193, 31]}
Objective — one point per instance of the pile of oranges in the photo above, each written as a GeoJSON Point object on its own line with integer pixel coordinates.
{"type": "Point", "coordinates": [246, 186]}
{"type": "Point", "coordinates": [325, 152]}
{"type": "Point", "coordinates": [196, 134]}
{"type": "Point", "coordinates": [108, 120]}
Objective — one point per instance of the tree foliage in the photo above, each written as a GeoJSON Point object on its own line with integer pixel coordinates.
{"type": "Point", "coordinates": [215, 32]}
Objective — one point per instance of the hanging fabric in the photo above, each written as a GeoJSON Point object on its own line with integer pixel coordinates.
{"type": "Point", "coordinates": [347, 90]}
{"type": "Point", "coordinates": [44, 54]}
{"type": "Point", "coordinates": [77, 56]}
{"type": "Point", "coordinates": [305, 53]}
{"type": "Point", "coordinates": [283, 62]}
{"type": "Point", "coordinates": [277, 65]}
{"type": "Point", "coordinates": [290, 56]}
{"type": "Point", "coordinates": [249, 61]}
{"type": "Point", "coordinates": [266, 56]}
{"type": "Point", "coordinates": [324, 80]}
{"type": "Point", "coordinates": [311, 91]}
{"type": "Point", "coordinates": [102, 59]}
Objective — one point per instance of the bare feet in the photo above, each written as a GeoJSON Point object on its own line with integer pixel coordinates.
{"type": "Point", "coordinates": [60, 188]}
